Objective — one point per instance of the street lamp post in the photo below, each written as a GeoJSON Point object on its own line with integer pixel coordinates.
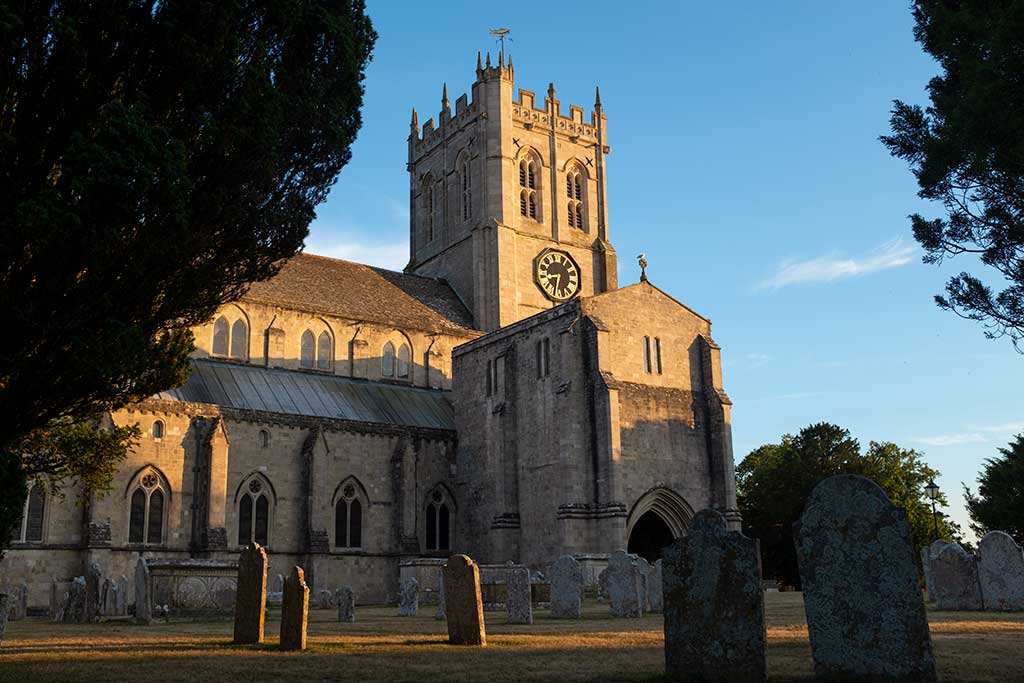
{"type": "Point", "coordinates": [932, 489]}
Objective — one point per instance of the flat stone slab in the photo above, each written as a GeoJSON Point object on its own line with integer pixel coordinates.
{"type": "Point", "coordinates": [566, 579]}
{"type": "Point", "coordinates": [1001, 572]}
{"type": "Point", "coordinates": [714, 605]}
{"type": "Point", "coordinates": [465, 606]}
{"type": "Point", "coordinates": [865, 612]}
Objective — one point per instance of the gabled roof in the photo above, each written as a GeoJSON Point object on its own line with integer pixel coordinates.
{"type": "Point", "coordinates": [293, 392]}
{"type": "Point", "coordinates": [644, 283]}
{"type": "Point", "coordinates": [318, 284]}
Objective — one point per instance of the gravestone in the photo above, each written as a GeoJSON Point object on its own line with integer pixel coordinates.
{"type": "Point", "coordinates": [108, 592]}
{"type": "Point", "coordinates": [517, 596]}
{"type": "Point", "coordinates": [408, 597]}
{"type": "Point", "coordinates": [955, 575]}
{"type": "Point", "coordinates": [345, 598]}
{"type": "Point", "coordinates": [1001, 572]}
{"type": "Point", "coordinates": [865, 612]}
{"type": "Point", "coordinates": [625, 599]}
{"type": "Point", "coordinates": [714, 605]}
{"type": "Point", "coordinates": [5, 608]}
{"type": "Point", "coordinates": [143, 597]}
{"type": "Point", "coordinates": [92, 592]}
{"type": "Point", "coordinates": [74, 606]}
{"type": "Point", "coordinates": [928, 555]}
{"type": "Point", "coordinates": [55, 610]}
{"type": "Point", "coordinates": [643, 568]}
{"type": "Point", "coordinates": [325, 599]}
{"type": "Point", "coordinates": [465, 607]}
{"type": "Point", "coordinates": [294, 610]}
{"type": "Point", "coordinates": [251, 595]}
{"type": "Point", "coordinates": [566, 588]}
{"type": "Point", "coordinates": [654, 588]}
{"type": "Point", "coordinates": [440, 614]}
{"type": "Point", "coordinates": [122, 596]}
{"type": "Point", "coordinates": [276, 584]}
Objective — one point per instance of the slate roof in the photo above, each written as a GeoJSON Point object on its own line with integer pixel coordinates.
{"type": "Point", "coordinates": [292, 392]}
{"type": "Point", "coordinates": [319, 284]}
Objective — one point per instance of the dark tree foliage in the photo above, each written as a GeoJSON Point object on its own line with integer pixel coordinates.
{"type": "Point", "coordinates": [156, 157]}
{"type": "Point", "coordinates": [774, 480]}
{"type": "Point", "coordinates": [999, 505]}
{"type": "Point", "coordinates": [967, 151]}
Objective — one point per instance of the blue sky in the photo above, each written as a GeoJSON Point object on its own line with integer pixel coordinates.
{"type": "Point", "coordinates": [745, 163]}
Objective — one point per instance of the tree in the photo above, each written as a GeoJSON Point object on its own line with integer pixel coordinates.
{"type": "Point", "coordinates": [156, 158]}
{"type": "Point", "coordinates": [774, 481]}
{"type": "Point", "coordinates": [967, 152]}
{"type": "Point", "coordinates": [999, 505]}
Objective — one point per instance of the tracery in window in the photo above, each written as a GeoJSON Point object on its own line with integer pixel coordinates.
{"type": "Point", "coordinates": [147, 503]}
{"type": "Point", "coordinates": [438, 520]}
{"type": "Point", "coordinates": [348, 517]}
{"type": "Point", "coordinates": [254, 511]}
{"type": "Point", "coordinates": [29, 528]}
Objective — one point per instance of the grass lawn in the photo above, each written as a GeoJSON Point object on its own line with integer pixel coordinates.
{"type": "Point", "coordinates": [969, 646]}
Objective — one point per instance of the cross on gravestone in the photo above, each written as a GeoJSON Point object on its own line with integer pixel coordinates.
{"type": "Point", "coordinates": [865, 613]}
{"type": "Point", "coordinates": [465, 607]}
{"type": "Point", "coordinates": [294, 610]}
{"type": "Point", "coordinates": [566, 588]}
{"type": "Point", "coordinates": [251, 595]}
{"type": "Point", "coordinates": [714, 606]}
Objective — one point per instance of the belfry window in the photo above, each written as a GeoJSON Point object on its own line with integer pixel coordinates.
{"type": "Point", "coordinates": [574, 194]}
{"type": "Point", "coordinates": [29, 528]}
{"type": "Point", "coordinates": [254, 513]}
{"type": "Point", "coordinates": [528, 191]}
{"type": "Point", "coordinates": [348, 519]}
{"type": "Point", "coordinates": [438, 522]}
{"type": "Point", "coordinates": [466, 181]}
{"type": "Point", "coordinates": [146, 509]}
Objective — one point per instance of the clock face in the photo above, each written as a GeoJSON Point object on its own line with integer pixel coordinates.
{"type": "Point", "coordinates": [557, 275]}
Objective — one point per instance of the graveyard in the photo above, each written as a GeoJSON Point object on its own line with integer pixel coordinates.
{"type": "Point", "coordinates": [969, 646]}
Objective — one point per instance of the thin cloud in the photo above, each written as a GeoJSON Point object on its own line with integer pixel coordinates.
{"type": "Point", "coordinates": [1007, 427]}
{"type": "Point", "coordinates": [389, 255]}
{"type": "Point", "coordinates": [756, 360]}
{"type": "Point", "coordinates": [835, 266]}
{"type": "Point", "coordinates": [950, 439]}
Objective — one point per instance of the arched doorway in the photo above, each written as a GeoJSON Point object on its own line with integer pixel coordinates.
{"type": "Point", "coordinates": [658, 518]}
{"type": "Point", "coordinates": [649, 535]}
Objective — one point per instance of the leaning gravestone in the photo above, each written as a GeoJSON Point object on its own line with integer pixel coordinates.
{"type": "Point", "coordinates": [517, 596]}
{"type": "Point", "coordinates": [5, 607]}
{"type": "Point", "coordinates": [566, 588]}
{"type": "Point", "coordinates": [955, 574]}
{"type": "Point", "coordinates": [624, 592]}
{"type": "Point", "coordinates": [92, 592]}
{"type": "Point", "coordinates": [294, 611]}
{"type": "Point", "coordinates": [346, 601]}
{"type": "Point", "coordinates": [655, 589]}
{"type": "Point", "coordinates": [122, 596]}
{"type": "Point", "coordinates": [1001, 572]}
{"type": "Point", "coordinates": [865, 613]}
{"type": "Point", "coordinates": [714, 606]}
{"type": "Point", "coordinates": [74, 606]}
{"type": "Point", "coordinates": [251, 595]}
{"type": "Point", "coordinates": [408, 597]}
{"type": "Point", "coordinates": [465, 607]}
{"type": "Point", "coordinates": [143, 598]}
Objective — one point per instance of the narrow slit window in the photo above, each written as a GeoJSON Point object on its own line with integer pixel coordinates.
{"type": "Point", "coordinates": [657, 352]}
{"type": "Point", "coordinates": [647, 354]}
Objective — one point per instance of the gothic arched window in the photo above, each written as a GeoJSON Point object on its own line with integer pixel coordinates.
{"type": "Point", "coordinates": [149, 494]}
{"type": "Point", "coordinates": [324, 351]}
{"type": "Point", "coordinates": [254, 511]}
{"type": "Point", "coordinates": [404, 356]}
{"type": "Point", "coordinates": [466, 181]}
{"type": "Point", "coordinates": [348, 518]}
{"type": "Point", "coordinates": [387, 360]}
{"type": "Point", "coordinates": [438, 520]}
{"type": "Point", "coordinates": [528, 170]}
{"type": "Point", "coordinates": [239, 340]}
{"type": "Point", "coordinates": [29, 528]}
{"type": "Point", "coordinates": [221, 331]}
{"type": "Point", "coordinates": [574, 191]}
{"type": "Point", "coordinates": [429, 208]}
{"type": "Point", "coordinates": [158, 429]}
{"type": "Point", "coordinates": [307, 350]}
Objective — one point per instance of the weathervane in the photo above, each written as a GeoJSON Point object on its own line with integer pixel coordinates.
{"type": "Point", "coordinates": [501, 33]}
{"type": "Point", "coordinates": [643, 267]}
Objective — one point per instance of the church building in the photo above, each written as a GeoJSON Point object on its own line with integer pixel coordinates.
{"type": "Point", "coordinates": [503, 397]}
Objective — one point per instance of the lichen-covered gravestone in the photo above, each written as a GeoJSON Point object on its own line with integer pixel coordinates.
{"type": "Point", "coordinates": [566, 588]}
{"type": "Point", "coordinates": [122, 596]}
{"type": "Point", "coordinates": [955, 575]}
{"type": "Point", "coordinates": [294, 610]}
{"type": "Point", "coordinates": [714, 606]}
{"type": "Point", "coordinates": [643, 568]}
{"type": "Point", "coordinates": [108, 593]}
{"type": "Point", "coordinates": [655, 589]}
{"type": "Point", "coordinates": [74, 607]}
{"type": "Point", "coordinates": [517, 599]}
{"type": "Point", "coordinates": [464, 605]}
{"type": "Point", "coordinates": [865, 613]}
{"type": "Point", "coordinates": [5, 607]}
{"type": "Point", "coordinates": [325, 599]}
{"type": "Point", "coordinates": [143, 597]}
{"type": "Point", "coordinates": [92, 592]}
{"type": "Point", "coordinates": [1001, 572]}
{"type": "Point", "coordinates": [345, 598]}
{"type": "Point", "coordinates": [251, 595]}
{"type": "Point", "coordinates": [408, 597]}
{"type": "Point", "coordinates": [441, 614]}
{"type": "Point", "coordinates": [928, 556]}
{"type": "Point", "coordinates": [55, 601]}
{"type": "Point", "coordinates": [625, 598]}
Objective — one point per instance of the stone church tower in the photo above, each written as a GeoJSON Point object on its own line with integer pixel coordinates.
{"type": "Point", "coordinates": [495, 183]}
